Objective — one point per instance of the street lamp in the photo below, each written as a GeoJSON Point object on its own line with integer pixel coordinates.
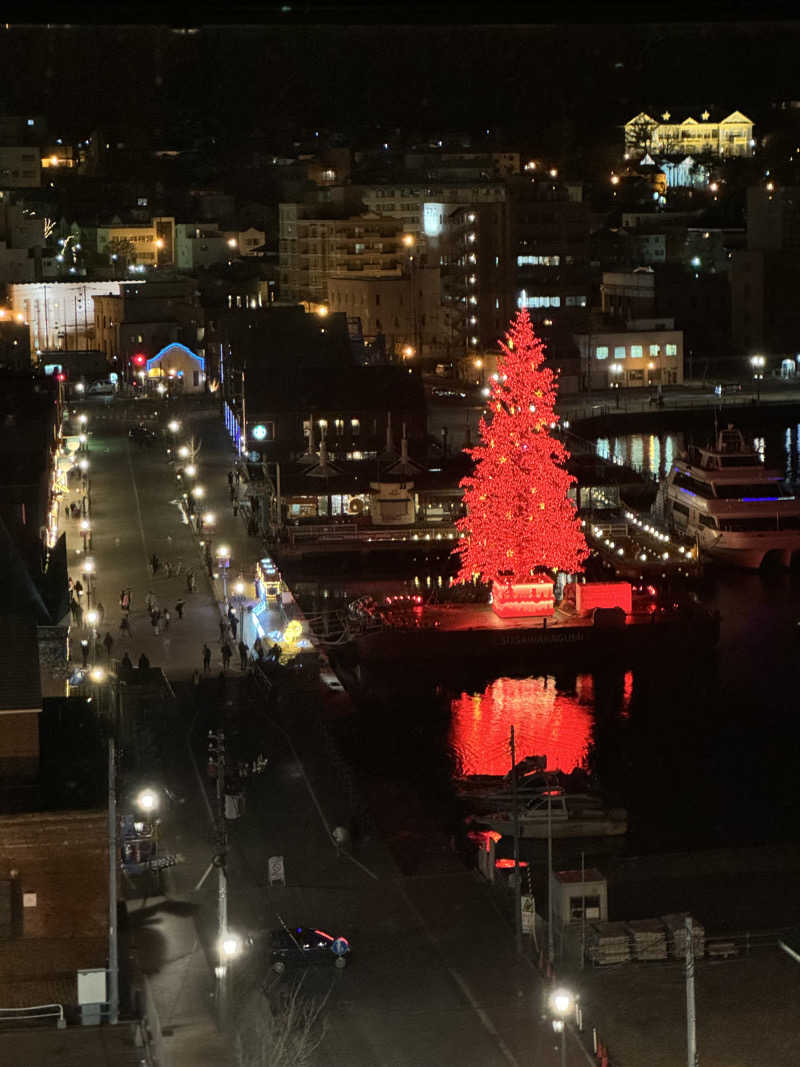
{"type": "Point", "coordinates": [616, 370]}
{"type": "Point", "coordinates": [223, 554]}
{"type": "Point", "coordinates": [147, 801]}
{"type": "Point", "coordinates": [757, 363]}
{"type": "Point", "coordinates": [191, 470]}
{"type": "Point", "coordinates": [209, 518]}
{"type": "Point", "coordinates": [229, 947]}
{"type": "Point", "coordinates": [83, 419]}
{"type": "Point", "coordinates": [85, 531]}
{"type": "Point", "coordinates": [174, 427]}
{"type": "Point", "coordinates": [562, 1003]}
{"type": "Point", "coordinates": [183, 452]}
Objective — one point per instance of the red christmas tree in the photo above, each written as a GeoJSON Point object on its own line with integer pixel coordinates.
{"type": "Point", "coordinates": [520, 522]}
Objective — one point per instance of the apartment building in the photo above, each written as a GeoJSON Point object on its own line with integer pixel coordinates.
{"type": "Point", "coordinates": [20, 167]}
{"type": "Point", "coordinates": [315, 244]}
{"type": "Point", "coordinates": [148, 244]}
{"type": "Point", "coordinates": [648, 353]}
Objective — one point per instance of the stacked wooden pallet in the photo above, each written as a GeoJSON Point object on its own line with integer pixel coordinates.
{"type": "Point", "coordinates": [608, 943]}
{"type": "Point", "coordinates": [648, 939]}
{"type": "Point", "coordinates": [675, 926]}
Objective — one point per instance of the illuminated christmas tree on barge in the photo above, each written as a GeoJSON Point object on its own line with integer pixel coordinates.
{"type": "Point", "coordinates": [520, 526]}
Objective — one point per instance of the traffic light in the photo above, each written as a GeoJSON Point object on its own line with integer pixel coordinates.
{"type": "Point", "coordinates": [139, 360]}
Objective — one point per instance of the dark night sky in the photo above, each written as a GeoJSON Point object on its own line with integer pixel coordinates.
{"type": "Point", "coordinates": [426, 77]}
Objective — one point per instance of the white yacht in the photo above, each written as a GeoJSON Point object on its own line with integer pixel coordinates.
{"type": "Point", "coordinates": [741, 512]}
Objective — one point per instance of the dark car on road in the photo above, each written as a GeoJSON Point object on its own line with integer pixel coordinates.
{"type": "Point", "coordinates": [302, 945]}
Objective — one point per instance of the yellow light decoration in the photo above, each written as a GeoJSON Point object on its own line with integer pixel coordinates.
{"type": "Point", "coordinates": [293, 631]}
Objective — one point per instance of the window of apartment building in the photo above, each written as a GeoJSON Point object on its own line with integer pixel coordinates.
{"type": "Point", "coordinates": [601, 352]}
{"type": "Point", "coordinates": [338, 426]}
{"type": "Point", "coordinates": [525, 301]}
{"type": "Point", "coordinates": [619, 351]}
{"type": "Point", "coordinates": [355, 427]}
{"type": "Point", "coordinates": [655, 350]}
{"type": "Point", "coordinates": [636, 352]}
{"type": "Point", "coordinates": [672, 350]}
{"type": "Point", "coordinates": [359, 247]}
{"type": "Point", "coordinates": [538, 261]}
{"type": "Point", "coordinates": [575, 301]}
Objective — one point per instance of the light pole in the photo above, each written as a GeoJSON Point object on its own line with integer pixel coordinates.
{"type": "Point", "coordinates": [562, 1003]}
{"type": "Point", "coordinates": [113, 863]}
{"type": "Point", "coordinates": [88, 579]}
{"type": "Point", "coordinates": [223, 554]}
{"type": "Point", "coordinates": [757, 363]}
{"type": "Point", "coordinates": [216, 749]}
{"type": "Point", "coordinates": [239, 590]}
{"type": "Point", "coordinates": [85, 533]}
{"type": "Point", "coordinates": [616, 372]}
{"type": "Point", "coordinates": [409, 243]}
{"type": "Point", "coordinates": [91, 619]}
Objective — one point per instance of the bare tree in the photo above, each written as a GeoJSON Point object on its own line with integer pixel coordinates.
{"type": "Point", "coordinates": [280, 1028]}
{"type": "Point", "coordinates": [639, 136]}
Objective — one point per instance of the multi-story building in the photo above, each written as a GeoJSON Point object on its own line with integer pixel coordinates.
{"type": "Point", "coordinates": [148, 244]}
{"type": "Point", "coordinates": [648, 352]}
{"type": "Point", "coordinates": [199, 245]}
{"type": "Point", "coordinates": [20, 167]}
{"type": "Point", "coordinates": [143, 317]}
{"type": "Point", "coordinates": [528, 250]}
{"type": "Point", "coordinates": [398, 316]}
{"type": "Point", "coordinates": [313, 247]}
{"type": "Point", "coordinates": [765, 316]}
{"type": "Point", "coordinates": [60, 315]}
{"type": "Point", "coordinates": [728, 136]}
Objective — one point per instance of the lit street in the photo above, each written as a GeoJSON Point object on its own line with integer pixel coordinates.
{"type": "Point", "coordinates": [434, 977]}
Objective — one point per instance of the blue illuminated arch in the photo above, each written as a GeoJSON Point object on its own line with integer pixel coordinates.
{"type": "Point", "coordinates": [183, 348]}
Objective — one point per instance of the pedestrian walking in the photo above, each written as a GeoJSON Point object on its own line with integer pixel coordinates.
{"type": "Point", "coordinates": [179, 568]}
{"type": "Point", "coordinates": [85, 652]}
{"type": "Point", "coordinates": [235, 508]}
{"type": "Point", "coordinates": [79, 618]}
{"type": "Point", "coordinates": [243, 650]}
{"type": "Point", "coordinates": [179, 606]}
{"type": "Point", "coordinates": [206, 657]}
{"type": "Point", "coordinates": [168, 569]}
{"type": "Point", "coordinates": [230, 479]}
{"type": "Point", "coordinates": [98, 650]}
{"type": "Point", "coordinates": [155, 562]}
{"type": "Point", "coordinates": [190, 581]}
{"type": "Point", "coordinates": [126, 662]}
{"type": "Point", "coordinates": [78, 589]}
{"type": "Point", "coordinates": [222, 630]}
{"type": "Point", "coordinates": [125, 626]}
{"type": "Point", "coordinates": [74, 607]}
{"type": "Point", "coordinates": [108, 643]}
{"type": "Point", "coordinates": [122, 599]}
{"type": "Point", "coordinates": [148, 601]}
{"type": "Point", "coordinates": [233, 494]}
{"type": "Point", "coordinates": [234, 626]}
{"type": "Point", "coordinates": [195, 677]}
{"type": "Point", "coordinates": [166, 617]}
{"type": "Point", "coordinates": [101, 614]}
{"type": "Point", "coordinates": [226, 656]}
{"type": "Point", "coordinates": [144, 662]}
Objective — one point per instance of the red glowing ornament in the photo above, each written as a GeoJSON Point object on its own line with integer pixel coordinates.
{"type": "Point", "coordinates": [520, 525]}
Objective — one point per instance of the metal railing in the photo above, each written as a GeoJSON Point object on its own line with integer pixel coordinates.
{"type": "Point", "coordinates": [354, 532]}
{"type": "Point", "coordinates": [43, 1011]}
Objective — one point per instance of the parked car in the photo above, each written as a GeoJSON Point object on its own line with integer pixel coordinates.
{"type": "Point", "coordinates": [302, 945]}
{"type": "Point", "coordinates": [727, 389]}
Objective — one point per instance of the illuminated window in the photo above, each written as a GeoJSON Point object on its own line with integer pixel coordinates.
{"type": "Point", "coordinates": [636, 352]}
{"type": "Point", "coordinates": [338, 425]}
{"type": "Point", "coordinates": [672, 350]}
{"type": "Point", "coordinates": [538, 261]}
{"type": "Point", "coordinates": [601, 352]}
{"type": "Point", "coordinates": [655, 350]}
{"type": "Point", "coordinates": [355, 426]}
{"type": "Point", "coordinates": [525, 301]}
{"type": "Point", "coordinates": [619, 352]}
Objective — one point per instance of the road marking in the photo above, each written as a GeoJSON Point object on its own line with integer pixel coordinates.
{"type": "Point", "coordinates": [472, 1000]}
{"type": "Point", "coordinates": [136, 500]}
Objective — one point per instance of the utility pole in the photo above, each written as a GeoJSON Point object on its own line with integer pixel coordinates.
{"type": "Point", "coordinates": [217, 748]}
{"type": "Point", "coordinates": [113, 933]}
{"type": "Point", "coordinates": [517, 879]}
{"type": "Point", "coordinates": [691, 1019]}
{"type": "Point", "coordinates": [550, 951]}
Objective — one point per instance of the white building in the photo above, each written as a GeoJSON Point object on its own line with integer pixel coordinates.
{"type": "Point", "coordinates": [59, 314]}
{"type": "Point", "coordinates": [648, 353]}
{"type": "Point", "coordinates": [729, 136]}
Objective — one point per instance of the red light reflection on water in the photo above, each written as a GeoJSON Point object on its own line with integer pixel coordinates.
{"type": "Point", "coordinates": [546, 722]}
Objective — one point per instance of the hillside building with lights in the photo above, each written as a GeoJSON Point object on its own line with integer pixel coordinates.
{"type": "Point", "coordinates": [731, 135]}
{"type": "Point", "coordinates": [647, 352]}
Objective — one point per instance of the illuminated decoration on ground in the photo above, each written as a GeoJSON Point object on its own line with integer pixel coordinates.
{"type": "Point", "coordinates": [293, 631]}
{"type": "Point", "coordinates": [520, 522]}
{"type": "Point", "coordinates": [603, 595]}
{"type": "Point", "coordinates": [547, 722]}
{"type": "Point", "coordinates": [517, 600]}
